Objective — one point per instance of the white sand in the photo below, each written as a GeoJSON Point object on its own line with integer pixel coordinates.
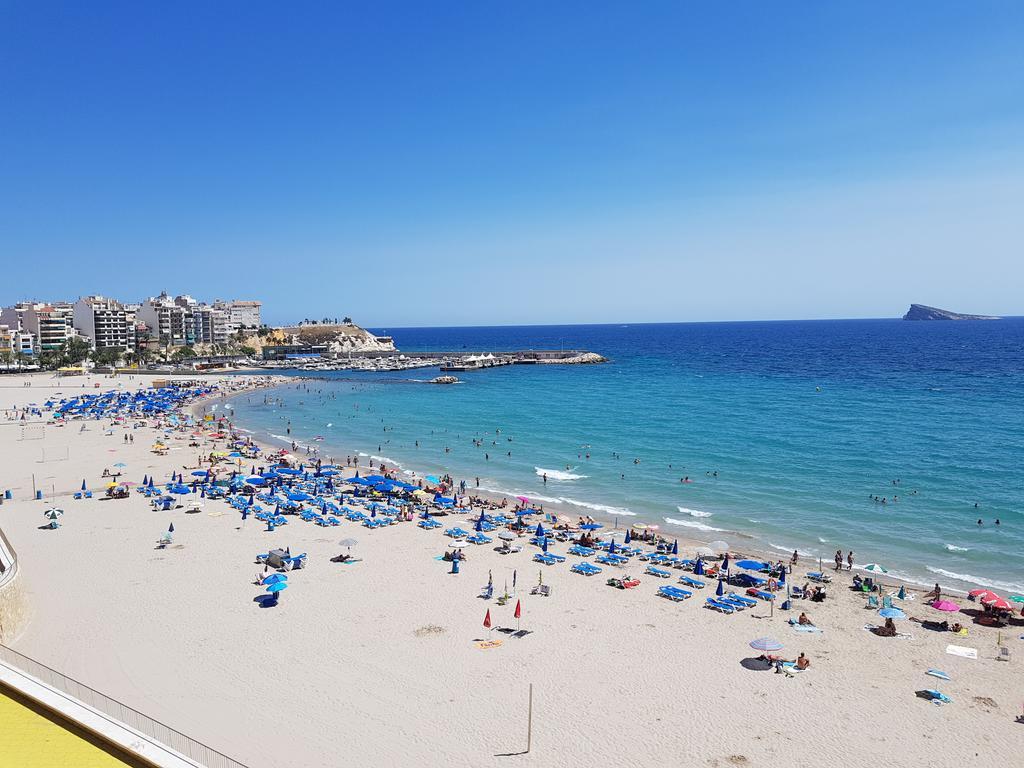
{"type": "Point", "coordinates": [346, 670]}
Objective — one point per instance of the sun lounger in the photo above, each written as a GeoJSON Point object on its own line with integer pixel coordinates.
{"type": "Point", "coordinates": [760, 593]}
{"type": "Point", "coordinates": [612, 559]}
{"type": "Point", "coordinates": [691, 582]}
{"type": "Point", "coordinates": [581, 551]}
{"type": "Point", "coordinates": [719, 606]}
{"type": "Point", "coordinates": [736, 604]}
{"type": "Point", "coordinates": [741, 599]}
{"type": "Point", "coordinates": [674, 593]}
{"type": "Point", "coordinates": [428, 524]}
{"type": "Point", "coordinates": [872, 602]}
{"type": "Point", "coordinates": [820, 577]}
{"type": "Point", "coordinates": [541, 589]}
{"type": "Point", "coordinates": [584, 568]}
{"type": "Point", "coordinates": [479, 539]}
{"type": "Point", "coordinates": [456, 533]}
{"type": "Point", "coordinates": [544, 558]}
{"type": "Point", "coordinates": [661, 574]}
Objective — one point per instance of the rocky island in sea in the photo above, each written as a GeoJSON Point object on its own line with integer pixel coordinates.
{"type": "Point", "coordinates": [923, 312]}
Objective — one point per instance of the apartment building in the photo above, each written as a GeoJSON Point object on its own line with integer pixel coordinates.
{"type": "Point", "coordinates": [104, 322]}
{"type": "Point", "coordinates": [240, 314]}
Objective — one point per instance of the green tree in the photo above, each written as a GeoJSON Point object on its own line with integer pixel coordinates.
{"type": "Point", "coordinates": [183, 353]}
{"type": "Point", "coordinates": [247, 351]}
{"type": "Point", "coordinates": [107, 357]}
{"type": "Point", "coordinates": [6, 357]}
{"type": "Point", "coordinates": [75, 351]}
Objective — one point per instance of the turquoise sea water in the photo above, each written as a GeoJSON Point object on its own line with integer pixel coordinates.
{"type": "Point", "coordinates": [803, 422]}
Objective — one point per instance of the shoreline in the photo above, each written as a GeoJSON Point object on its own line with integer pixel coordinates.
{"type": "Point", "coordinates": [611, 522]}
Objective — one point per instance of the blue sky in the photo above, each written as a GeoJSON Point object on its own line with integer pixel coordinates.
{"type": "Point", "coordinates": [527, 162]}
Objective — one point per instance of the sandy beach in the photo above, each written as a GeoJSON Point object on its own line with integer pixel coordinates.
{"type": "Point", "coordinates": [379, 661]}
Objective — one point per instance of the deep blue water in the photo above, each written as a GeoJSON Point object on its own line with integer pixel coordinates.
{"type": "Point", "coordinates": [803, 421]}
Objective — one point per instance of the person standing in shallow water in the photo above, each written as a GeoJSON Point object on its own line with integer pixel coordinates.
{"type": "Point", "coordinates": [849, 560]}
{"type": "Point", "coordinates": [839, 559]}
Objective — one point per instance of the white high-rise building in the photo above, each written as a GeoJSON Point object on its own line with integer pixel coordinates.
{"type": "Point", "coordinates": [241, 314]}
{"type": "Point", "coordinates": [104, 322]}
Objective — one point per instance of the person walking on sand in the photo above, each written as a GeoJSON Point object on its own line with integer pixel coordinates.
{"type": "Point", "coordinates": [849, 560]}
{"type": "Point", "coordinates": [793, 560]}
{"type": "Point", "coordinates": [839, 559]}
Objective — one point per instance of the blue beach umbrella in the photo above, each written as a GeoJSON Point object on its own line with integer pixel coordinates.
{"type": "Point", "coordinates": [478, 527]}
{"type": "Point", "coordinates": [892, 613]}
{"type": "Point", "coordinates": [782, 578]}
{"type": "Point", "coordinates": [611, 547]}
{"type": "Point", "coordinates": [675, 547]}
{"type": "Point", "coordinates": [170, 528]}
{"type": "Point", "coordinates": [720, 590]}
{"type": "Point", "coordinates": [698, 567]}
{"type": "Point", "coordinates": [83, 484]}
{"type": "Point", "coordinates": [725, 562]}
{"type": "Point", "coordinates": [274, 578]}
{"type": "Point", "coordinates": [145, 480]}
{"type": "Point", "coordinates": [278, 586]}
{"type": "Point", "coordinates": [200, 473]}
{"type": "Point", "coordinates": [540, 530]}
{"type": "Point", "coordinates": [751, 565]}
{"type": "Point", "coordinates": [628, 537]}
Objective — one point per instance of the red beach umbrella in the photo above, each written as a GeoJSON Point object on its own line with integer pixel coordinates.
{"type": "Point", "coordinates": [998, 604]}
{"type": "Point", "coordinates": [487, 619]}
{"type": "Point", "coordinates": [518, 612]}
{"type": "Point", "coordinates": [983, 593]}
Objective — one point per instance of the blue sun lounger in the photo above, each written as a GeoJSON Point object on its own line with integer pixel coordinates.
{"type": "Point", "coordinates": [584, 568]}
{"type": "Point", "coordinates": [820, 577]}
{"type": "Point", "coordinates": [674, 593]}
{"type": "Point", "coordinates": [580, 551]}
{"type": "Point", "coordinates": [736, 604]}
{"type": "Point", "coordinates": [479, 539]}
{"type": "Point", "coordinates": [657, 572]}
{"type": "Point", "coordinates": [747, 601]}
{"type": "Point", "coordinates": [692, 582]}
{"type": "Point", "coordinates": [545, 558]}
{"type": "Point", "coordinates": [428, 524]}
{"type": "Point", "coordinates": [612, 559]}
{"type": "Point", "coordinates": [456, 533]}
{"type": "Point", "coordinates": [718, 605]}
{"type": "Point", "coordinates": [763, 595]}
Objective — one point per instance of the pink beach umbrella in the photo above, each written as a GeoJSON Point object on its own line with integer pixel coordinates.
{"type": "Point", "coordinates": [945, 605]}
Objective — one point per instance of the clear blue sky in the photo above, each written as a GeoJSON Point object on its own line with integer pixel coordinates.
{"type": "Point", "coordinates": [517, 162]}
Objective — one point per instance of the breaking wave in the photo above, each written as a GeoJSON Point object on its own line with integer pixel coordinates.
{"type": "Point", "coordinates": [556, 474]}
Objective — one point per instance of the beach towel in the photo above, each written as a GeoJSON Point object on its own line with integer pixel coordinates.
{"type": "Point", "coordinates": [960, 650]}
{"type": "Point", "coordinates": [485, 644]}
{"type": "Point", "coordinates": [807, 628]}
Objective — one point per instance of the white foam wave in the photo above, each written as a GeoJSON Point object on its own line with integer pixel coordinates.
{"type": "Point", "coordinates": [691, 524]}
{"type": "Point", "coordinates": [822, 540]}
{"type": "Point", "coordinates": [386, 460]}
{"type": "Point", "coordinates": [978, 580]}
{"type": "Point", "coordinates": [694, 512]}
{"type": "Point", "coordinates": [605, 508]}
{"type": "Point", "coordinates": [557, 474]}
{"type": "Point", "coordinates": [955, 548]}
{"type": "Point", "coordinates": [285, 438]}
{"type": "Point", "coordinates": [789, 550]}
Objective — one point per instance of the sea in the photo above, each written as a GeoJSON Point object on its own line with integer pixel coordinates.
{"type": "Point", "coordinates": [777, 436]}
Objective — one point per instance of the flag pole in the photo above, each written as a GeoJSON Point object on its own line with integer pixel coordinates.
{"type": "Point", "coordinates": [529, 722]}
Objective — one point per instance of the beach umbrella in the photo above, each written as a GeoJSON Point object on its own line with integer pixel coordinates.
{"type": "Point", "coordinates": [628, 537]}
{"type": "Point", "coordinates": [277, 586]}
{"type": "Point", "coordinates": [53, 514]}
{"type": "Point", "coordinates": [675, 547]}
{"type": "Point", "coordinates": [999, 604]}
{"type": "Point", "coordinates": [945, 605]}
{"type": "Point", "coordinates": [540, 530]}
{"type": "Point", "coordinates": [513, 578]}
{"type": "Point", "coordinates": [518, 614]}
{"type": "Point", "coordinates": [766, 644]}
{"type": "Point", "coordinates": [720, 589]}
{"type": "Point", "coordinates": [725, 562]}
{"type": "Point", "coordinates": [591, 526]}
{"type": "Point", "coordinates": [120, 464]}
{"type": "Point", "coordinates": [523, 499]}
{"type": "Point", "coordinates": [698, 567]}
{"type": "Point", "coordinates": [145, 480]}
{"type": "Point", "coordinates": [200, 473]}
{"type": "Point", "coordinates": [478, 527]}
{"type": "Point", "coordinates": [892, 613]}
{"type": "Point", "coordinates": [274, 578]}
{"type": "Point", "coordinates": [170, 528]}
{"type": "Point", "coordinates": [611, 547]}
{"type": "Point", "coordinates": [876, 568]}
{"type": "Point", "coordinates": [83, 484]}
{"type": "Point", "coordinates": [751, 565]}
{"type": "Point", "coordinates": [544, 544]}
{"type": "Point", "coordinates": [507, 536]}
{"type": "Point", "coordinates": [782, 578]}
{"type": "Point", "coordinates": [982, 594]}
{"type": "Point", "coordinates": [487, 619]}
{"type": "Point", "coordinates": [348, 543]}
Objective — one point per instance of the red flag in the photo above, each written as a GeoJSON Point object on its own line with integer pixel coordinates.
{"type": "Point", "coordinates": [518, 612]}
{"type": "Point", "coordinates": [487, 619]}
